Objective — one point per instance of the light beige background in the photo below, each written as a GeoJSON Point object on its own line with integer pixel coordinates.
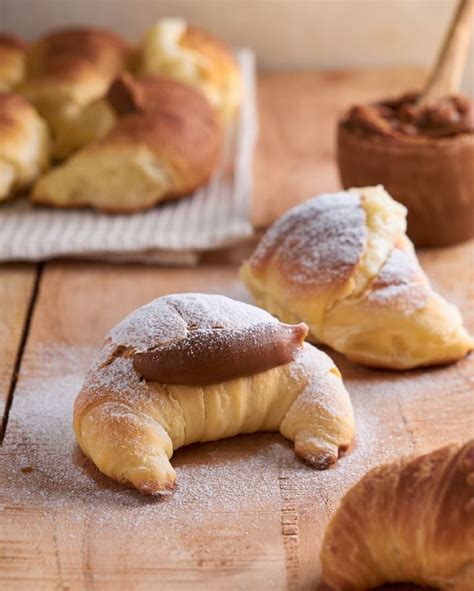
{"type": "Point", "coordinates": [284, 33]}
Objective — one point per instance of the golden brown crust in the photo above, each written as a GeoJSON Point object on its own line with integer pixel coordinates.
{"type": "Point", "coordinates": [12, 42]}
{"type": "Point", "coordinates": [24, 144]}
{"type": "Point", "coordinates": [410, 522]}
{"type": "Point", "coordinates": [76, 56]}
{"type": "Point", "coordinates": [209, 45]}
{"type": "Point", "coordinates": [66, 72]}
{"type": "Point", "coordinates": [175, 49]}
{"type": "Point", "coordinates": [166, 141]}
{"type": "Point", "coordinates": [317, 246]}
{"type": "Point", "coordinates": [12, 108]}
{"type": "Point", "coordinates": [12, 60]}
{"type": "Point", "coordinates": [178, 125]}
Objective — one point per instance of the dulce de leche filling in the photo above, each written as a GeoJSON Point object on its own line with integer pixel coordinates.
{"type": "Point", "coordinates": [210, 356]}
{"type": "Point", "coordinates": [404, 118]}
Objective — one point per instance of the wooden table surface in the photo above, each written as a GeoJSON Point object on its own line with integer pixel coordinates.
{"type": "Point", "coordinates": [246, 514]}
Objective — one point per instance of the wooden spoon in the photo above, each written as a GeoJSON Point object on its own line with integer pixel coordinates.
{"type": "Point", "coordinates": [445, 77]}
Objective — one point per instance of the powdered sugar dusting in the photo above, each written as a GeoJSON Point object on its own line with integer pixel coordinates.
{"type": "Point", "coordinates": [40, 438]}
{"type": "Point", "coordinates": [170, 317]}
{"type": "Point", "coordinates": [162, 321]}
{"type": "Point", "coordinates": [401, 283]}
{"type": "Point", "coordinates": [316, 244]}
{"type": "Point", "coordinates": [230, 512]}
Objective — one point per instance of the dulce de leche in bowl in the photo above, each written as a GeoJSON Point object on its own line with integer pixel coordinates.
{"type": "Point", "coordinates": [422, 154]}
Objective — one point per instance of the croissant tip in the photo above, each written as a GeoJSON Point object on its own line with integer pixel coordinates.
{"type": "Point", "coordinates": [324, 459]}
{"type": "Point", "coordinates": [321, 461]}
{"type": "Point", "coordinates": [300, 331]}
{"type": "Point", "coordinates": [157, 489]}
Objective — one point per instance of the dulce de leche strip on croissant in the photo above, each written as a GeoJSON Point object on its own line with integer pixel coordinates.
{"type": "Point", "coordinates": [210, 356]}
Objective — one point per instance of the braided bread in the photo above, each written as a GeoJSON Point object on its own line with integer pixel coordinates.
{"type": "Point", "coordinates": [66, 71]}
{"type": "Point", "coordinates": [162, 142]}
{"type": "Point", "coordinates": [175, 49]}
{"type": "Point", "coordinates": [24, 144]}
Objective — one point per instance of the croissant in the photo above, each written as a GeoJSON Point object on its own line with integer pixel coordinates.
{"type": "Point", "coordinates": [410, 522]}
{"type": "Point", "coordinates": [181, 51]}
{"type": "Point", "coordinates": [164, 143]}
{"type": "Point", "coordinates": [24, 144]}
{"type": "Point", "coordinates": [68, 70]}
{"type": "Point", "coordinates": [343, 264]}
{"type": "Point", "coordinates": [193, 367]}
{"type": "Point", "coordinates": [12, 61]}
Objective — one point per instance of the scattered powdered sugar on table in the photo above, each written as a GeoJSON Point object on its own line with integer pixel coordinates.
{"type": "Point", "coordinates": [232, 489]}
{"type": "Point", "coordinates": [43, 465]}
{"type": "Point", "coordinates": [401, 283]}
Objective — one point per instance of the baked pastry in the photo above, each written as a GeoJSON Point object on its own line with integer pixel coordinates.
{"type": "Point", "coordinates": [67, 71]}
{"type": "Point", "coordinates": [164, 144]}
{"type": "Point", "coordinates": [424, 157]}
{"type": "Point", "coordinates": [410, 522]}
{"type": "Point", "coordinates": [24, 144]}
{"type": "Point", "coordinates": [12, 61]}
{"type": "Point", "coordinates": [342, 264]}
{"type": "Point", "coordinates": [194, 367]}
{"type": "Point", "coordinates": [181, 51]}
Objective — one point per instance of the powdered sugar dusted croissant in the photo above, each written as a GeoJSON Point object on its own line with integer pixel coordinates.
{"type": "Point", "coordinates": [410, 521]}
{"type": "Point", "coordinates": [193, 367]}
{"type": "Point", "coordinates": [343, 264]}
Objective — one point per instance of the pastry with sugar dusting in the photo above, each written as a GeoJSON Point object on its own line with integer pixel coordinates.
{"type": "Point", "coordinates": [188, 368]}
{"type": "Point", "coordinates": [343, 264]}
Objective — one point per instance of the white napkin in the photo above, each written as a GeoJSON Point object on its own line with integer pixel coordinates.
{"type": "Point", "coordinates": [217, 215]}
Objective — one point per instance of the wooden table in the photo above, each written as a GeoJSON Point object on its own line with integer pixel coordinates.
{"type": "Point", "coordinates": [246, 514]}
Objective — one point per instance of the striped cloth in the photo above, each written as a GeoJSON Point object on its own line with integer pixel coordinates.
{"type": "Point", "coordinates": [217, 215]}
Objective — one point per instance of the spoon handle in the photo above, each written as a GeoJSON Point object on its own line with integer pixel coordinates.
{"type": "Point", "coordinates": [445, 77]}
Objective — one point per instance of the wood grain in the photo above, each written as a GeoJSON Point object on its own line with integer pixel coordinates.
{"type": "Point", "coordinates": [247, 514]}
{"type": "Point", "coordinates": [16, 290]}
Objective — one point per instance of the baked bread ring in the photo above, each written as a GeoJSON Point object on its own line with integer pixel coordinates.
{"type": "Point", "coordinates": [24, 144]}
{"type": "Point", "coordinates": [194, 367]}
{"type": "Point", "coordinates": [407, 522]}
{"type": "Point", "coordinates": [175, 49]}
{"type": "Point", "coordinates": [68, 70]}
{"type": "Point", "coordinates": [164, 143]}
{"type": "Point", "coordinates": [12, 61]}
{"type": "Point", "coordinates": [343, 264]}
